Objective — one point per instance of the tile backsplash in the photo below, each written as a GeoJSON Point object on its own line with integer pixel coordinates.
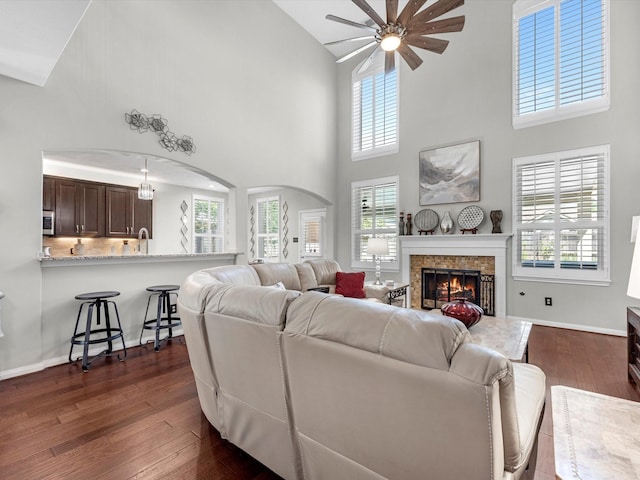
{"type": "Point", "coordinates": [62, 247]}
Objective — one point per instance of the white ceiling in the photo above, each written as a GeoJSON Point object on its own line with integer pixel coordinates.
{"type": "Point", "coordinates": [310, 14]}
{"type": "Point", "coordinates": [33, 35]}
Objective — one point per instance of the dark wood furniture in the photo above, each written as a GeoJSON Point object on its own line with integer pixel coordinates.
{"type": "Point", "coordinates": [633, 344]}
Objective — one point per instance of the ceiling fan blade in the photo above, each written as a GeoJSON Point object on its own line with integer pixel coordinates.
{"type": "Point", "coordinates": [411, 57]}
{"type": "Point", "coordinates": [392, 11]}
{"type": "Point", "coordinates": [435, 45]}
{"type": "Point", "coordinates": [437, 9]}
{"type": "Point", "coordinates": [356, 52]}
{"type": "Point", "coordinates": [346, 40]}
{"type": "Point", "coordinates": [409, 10]}
{"type": "Point", "coordinates": [367, 63]}
{"type": "Point", "coordinates": [389, 62]}
{"type": "Point", "coordinates": [453, 24]}
{"type": "Point", "coordinates": [349, 22]}
{"type": "Point", "coordinates": [366, 8]}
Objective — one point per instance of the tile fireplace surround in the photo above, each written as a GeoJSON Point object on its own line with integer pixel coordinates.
{"type": "Point", "coordinates": [481, 245]}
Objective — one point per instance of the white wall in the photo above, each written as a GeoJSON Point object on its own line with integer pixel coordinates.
{"type": "Point", "coordinates": [261, 108]}
{"type": "Point", "coordinates": [465, 94]}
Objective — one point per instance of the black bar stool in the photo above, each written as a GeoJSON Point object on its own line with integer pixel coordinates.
{"type": "Point", "coordinates": [171, 319]}
{"type": "Point", "coordinates": [107, 334]}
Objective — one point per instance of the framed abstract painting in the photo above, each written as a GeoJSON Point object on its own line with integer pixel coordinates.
{"type": "Point", "coordinates": [450, 174]}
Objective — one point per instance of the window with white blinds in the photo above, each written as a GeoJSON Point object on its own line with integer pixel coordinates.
{"type": "Point", "coordinates": [208, 224]}
{"type": "Point", "coordinates": [561, 59]}
{"type": "Point", "coordinates": [374, 213]}
{"type": "Point", "coordinates": [561, 217]}
{"type": "Point", "coordinates": [268, 229]}
{"type": "Point", "coordinates": [375, 113]}
{"type": "Point", "coordinates": [312, 233]}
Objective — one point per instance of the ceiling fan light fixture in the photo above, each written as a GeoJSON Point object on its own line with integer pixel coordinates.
{"type": "Point", "coordinates": [390, 42]}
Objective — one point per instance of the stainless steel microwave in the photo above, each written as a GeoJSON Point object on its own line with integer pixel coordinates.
{"type": "Point", "coordinates": [48, 222]}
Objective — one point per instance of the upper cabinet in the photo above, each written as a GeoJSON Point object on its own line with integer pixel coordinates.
{"type": "Point", "coordinates": [79, 208]}
{"type": "Point", "coordinates": [95, 209]}
{"type": "Point", "coordinates": [48, 194]}
{"type": "Point", "coordinates": [126, 213]}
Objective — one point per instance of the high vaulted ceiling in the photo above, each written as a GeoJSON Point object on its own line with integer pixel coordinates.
{"type": "Point", "coordinates": [310, 14]}
{"type": "Point", "coordinates": [33, 34]}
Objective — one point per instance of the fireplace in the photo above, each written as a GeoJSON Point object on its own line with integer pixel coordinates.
{"type": "Point", "coordinates": [441, 285]}
{"type": "Point", "coordinates": [471, 251]}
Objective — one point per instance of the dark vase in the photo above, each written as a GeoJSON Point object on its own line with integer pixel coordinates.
{"type": "Point", "coordinates": [467, 312]}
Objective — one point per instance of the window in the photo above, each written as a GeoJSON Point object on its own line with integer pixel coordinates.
{"type": "Point", "coordinates": [561, 217]}
{"type": "Point", "coordinates": [312, 233]}
{"type": "Point", "coordinates": [375, 112]}
{"type": "Point", "coordinates": [208, 224]}
{"type": "Point", "coordinates": [269, 229]}
{"type": "Point", "coordinates": [374, 213]}
{"type": "Point", "coordinates": [561, 59]}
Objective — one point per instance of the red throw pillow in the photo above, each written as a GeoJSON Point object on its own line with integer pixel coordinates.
{"type": "Point", "coordinates": [350, 284]}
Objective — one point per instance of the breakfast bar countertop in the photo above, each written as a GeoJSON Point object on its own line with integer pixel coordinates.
{"type": "Point", "coordinates": [81, 260]}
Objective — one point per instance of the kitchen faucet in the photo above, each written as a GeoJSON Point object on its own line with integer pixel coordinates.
{"type": "Point", "coordinates": [146, 243]}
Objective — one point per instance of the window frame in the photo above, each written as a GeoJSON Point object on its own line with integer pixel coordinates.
{"type": "Point", "coordinates": [389, 265]}
{"type": "Point", "coordinates": [524, 8]}
{"type": "Point", "coordinates": [276, 236]}
{"type": "Point", "coordinates": [221, 222]}
{"type": "Point", "coordinates": [557, 273]}
{"type": "Point", "coordinates": [375, 69]}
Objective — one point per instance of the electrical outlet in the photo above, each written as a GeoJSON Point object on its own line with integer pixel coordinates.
{"type": "Point", "coordinates": [547, 301]}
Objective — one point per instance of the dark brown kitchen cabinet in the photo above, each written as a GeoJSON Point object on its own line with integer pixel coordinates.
{"type": "Point", "coordinates": [48, 194]}
{"type": "Point", "coordinates": [126, 213]}
{"type": "Point", "coordinates": [79, 208]}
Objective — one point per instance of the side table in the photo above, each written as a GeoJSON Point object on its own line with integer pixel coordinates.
{"type": "Point", "coordinates": [388, 292]}
{"type": "Point", "coordinates": [633, 344]}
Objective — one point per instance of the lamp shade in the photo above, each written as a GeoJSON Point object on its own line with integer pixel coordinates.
{"type": "Point", "coordinates": [378, 246]}
{"type": "Point", "coordinates": [633, 289]}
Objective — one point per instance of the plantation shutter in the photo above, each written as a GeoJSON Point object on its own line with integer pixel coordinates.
{"type": "Point", "coordinates": [561, 214]}
{"type": "Point", "coordinates": [208, 225]}
{"type": "Point", "coordinates": [375, 112]}
{"type": "Point", "coordinates": [561, 59]}
{"type": "Point", "coordinates": [374, 207]}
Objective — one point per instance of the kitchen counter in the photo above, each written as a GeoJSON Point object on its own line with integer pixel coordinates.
{"type": "Point", "coordinates": [82, 260]}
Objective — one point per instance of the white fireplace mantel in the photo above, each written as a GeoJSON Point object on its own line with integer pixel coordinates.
{"type": "Point", "coordinates": [480, 245]}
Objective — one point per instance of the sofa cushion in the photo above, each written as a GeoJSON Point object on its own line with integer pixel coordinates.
{"type": "Point", "coordinates": [272, 273]}
{"type": "Point", "coordinates": [325, 270]}
{"type": "Point", "coordinates": [350, 284]}
{"type": "Point", "coordinates": [411, 336]}
{"type": "Point", "coordinates": [255, 304]}
{"type": "Point", "coordinates": [306, 275]}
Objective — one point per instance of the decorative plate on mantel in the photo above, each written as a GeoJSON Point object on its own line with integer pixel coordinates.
{"type": "Point", "coordinates": [470, 218]}
{"type": "Point", "coordinates": [426, 220]}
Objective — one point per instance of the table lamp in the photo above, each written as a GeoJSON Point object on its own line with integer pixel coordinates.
{"type": "Point", "coordinates": [378, 247]}
{"type": "Point", "coordinates": [633, 289]}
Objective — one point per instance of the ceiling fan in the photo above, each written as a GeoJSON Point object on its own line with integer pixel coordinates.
{"type": "Point", "coordinates": [401, 32]}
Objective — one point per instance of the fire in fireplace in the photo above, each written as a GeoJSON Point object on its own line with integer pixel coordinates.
{"type": "Point", "coordinates": [440, 286]}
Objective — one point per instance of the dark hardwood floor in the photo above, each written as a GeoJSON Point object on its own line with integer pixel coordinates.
{"type": "Point", "coordinates": [141, 418]}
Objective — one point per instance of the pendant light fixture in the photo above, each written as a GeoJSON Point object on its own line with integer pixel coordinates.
{"type": "Point", "coordinates": [145, 190]}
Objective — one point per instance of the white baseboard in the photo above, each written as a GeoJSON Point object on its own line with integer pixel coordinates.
{"type": "Point", "coordinates": [52, 362]}
{"type": "Point", "coordinates": [572, 326]}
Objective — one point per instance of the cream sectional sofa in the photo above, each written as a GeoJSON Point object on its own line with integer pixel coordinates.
{"type": "Point", "coordinates": [319, 386]}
